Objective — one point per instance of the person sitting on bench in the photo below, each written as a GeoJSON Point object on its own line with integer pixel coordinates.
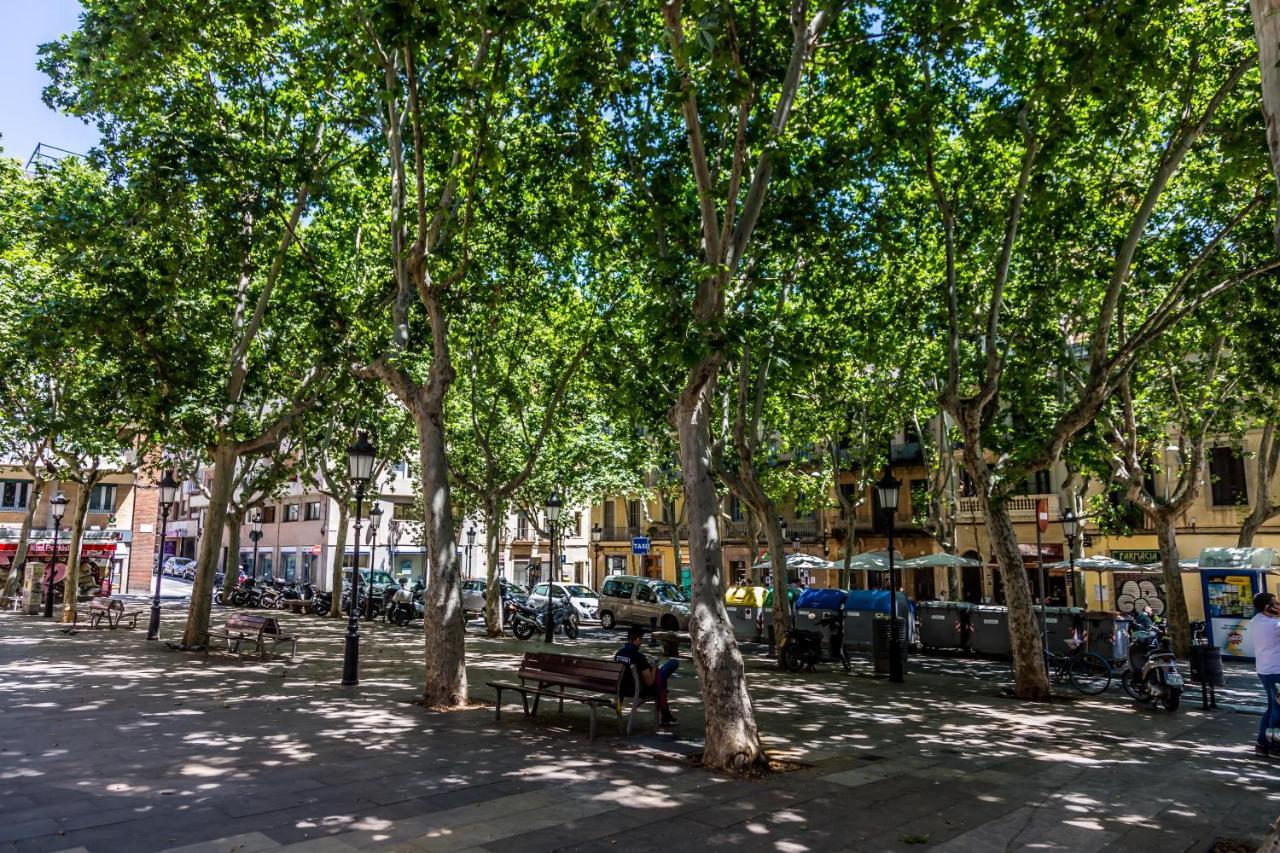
{"type": "Point", "coordinates": [654, 681]}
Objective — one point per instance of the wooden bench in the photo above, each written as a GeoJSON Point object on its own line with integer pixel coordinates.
{"type": "Point", "coordinates": [110, 609]}
{"type": "Point", "coordinates": [263, 632]}
{"type": "Point", "coordinates": [593, 682]}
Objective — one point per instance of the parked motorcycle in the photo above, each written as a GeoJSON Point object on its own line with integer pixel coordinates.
{"type": "Point", "coordinates": [270, 595]}
{"type": "Point", "coordinates": [405, 605]}
{"type": "Point", "coordinates": [1152, 675]}
{"type": "Point", "coordinates": [321, 601]}
{"type": "Point", "coordinates": [247, 594]}
{"type": "Point", "coordinates": [527, 622]}
{"type": "Point", "coordinates": [288, 592]}
{"type": "Point", "coordinates": [801, 648]}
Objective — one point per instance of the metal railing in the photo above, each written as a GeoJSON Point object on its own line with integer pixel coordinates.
{"type": "Point", "coordinates": [1021, 508]}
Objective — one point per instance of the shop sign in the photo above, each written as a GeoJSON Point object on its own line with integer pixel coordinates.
{"type": "Point", "coordinates": [1137, 556]}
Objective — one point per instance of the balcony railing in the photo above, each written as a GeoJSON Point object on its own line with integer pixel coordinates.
{"type": "Point", "coordinates": [1021, 508]}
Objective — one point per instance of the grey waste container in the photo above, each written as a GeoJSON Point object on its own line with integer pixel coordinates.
{"type": "Point", "coordinates": [990, 630]}
{"type": "Point", "coordinates": [857, 630]}
{"type": "Point", "coordinates": [746, 623]}
{"type": "Point", "coordinates": [1107, 634]}
{"type": "Point", "coordinates": [943, 624]}
{"type": "Point", "coordinates": [880, 635]}
{"type": "Point", "coordinates": [1060, 622]}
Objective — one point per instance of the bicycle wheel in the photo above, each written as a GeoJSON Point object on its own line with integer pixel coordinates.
{"type": "Point", "coordinates": [1090, 674]}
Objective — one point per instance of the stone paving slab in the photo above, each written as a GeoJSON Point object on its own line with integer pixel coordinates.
{"type": "Point", "coordinates": [110, 743]}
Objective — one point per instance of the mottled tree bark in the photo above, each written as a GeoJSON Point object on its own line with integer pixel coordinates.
{"type": "Point", "coordinates": [196, 633]}
{"type": "Point", "coordinates": [1175, 613]}
{"type": "Point", "coordinates": [339, 556]}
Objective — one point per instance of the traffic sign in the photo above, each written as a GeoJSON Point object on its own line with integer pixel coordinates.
{"type": "Point", "coordinates": [1042, 515]}
{"type": "Point", "coordinates": [640, 545]}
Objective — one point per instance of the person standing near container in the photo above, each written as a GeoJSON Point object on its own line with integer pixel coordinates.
{"type": "Point", "coordinates": [1264, 629]}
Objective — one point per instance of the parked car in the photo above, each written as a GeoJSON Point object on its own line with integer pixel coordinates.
{"type": "Point", "coordinates": [473, 595]}
{"type": "Point", "coordinates": [583, 599]}
{"type": "Point", "coordinates": [630, 600]}
{"type": "Point", "coordinates": [180, 567]}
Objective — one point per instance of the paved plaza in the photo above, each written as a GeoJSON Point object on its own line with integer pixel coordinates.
{"type": "Point", "coordinates": [111, 743]}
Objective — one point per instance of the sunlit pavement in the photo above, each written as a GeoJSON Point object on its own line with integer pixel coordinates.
{"type": "Point", "coordinates": [112, 743]}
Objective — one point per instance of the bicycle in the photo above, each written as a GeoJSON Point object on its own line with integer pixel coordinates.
{"type": "Point", "coordinates": [1085, 671]}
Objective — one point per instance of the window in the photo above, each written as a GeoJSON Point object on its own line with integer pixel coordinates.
{"type": "Point", "coordinates": [540, 590]}
{"type": "Point", "coordinates": [610, 518]}
{"type": "Point", "coordinates": [312, 511]}
{"type": "Point", "coordinates": [522, 526]}
{"type": "Point", "coordinates": [615, 588]}
{"type": "Point", "coordinates": [633, 515]}
{"type": "Point", "coordinates": [292, 512]}
{"type": "Point", "coordinates": [735, 508]}
{"type": "Point", "coordinates": [1226, 470]}
{"type": "Point", "coordinates": [102, 498]}
{"type": "Point", "coordinates": [15, 494]}
{"type": "Point", "coordinates": [405, 512]}
{"type": "Point", "coordinates": [646, 595]}
{"type": "Point", "coordinates": [576, 530]}
{"type": "Point", "coordinates": [1039, 482]}
{"type": "Point", "coordinates": [269, 514]}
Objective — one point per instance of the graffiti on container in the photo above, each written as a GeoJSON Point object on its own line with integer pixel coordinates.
{"type": "Point", "coordinates": [1135, 595]}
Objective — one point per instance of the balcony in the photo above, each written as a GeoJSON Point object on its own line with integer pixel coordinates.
{"type": "Point", "coordinates": [1021, 508]}
{"type": "Point", "coordinates": [623, 533]}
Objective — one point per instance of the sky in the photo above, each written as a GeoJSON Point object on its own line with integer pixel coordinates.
{"type": "Point", "coordinates": [24, 119]}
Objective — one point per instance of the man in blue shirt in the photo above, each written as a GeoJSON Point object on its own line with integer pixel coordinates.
{"type": "Point", "coordinates": [653, 681]}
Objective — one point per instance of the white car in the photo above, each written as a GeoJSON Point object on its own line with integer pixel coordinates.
{"type": "Point", "coordinates": [584, 600]}
{"type": "Point", "coordinates": [180, 567]}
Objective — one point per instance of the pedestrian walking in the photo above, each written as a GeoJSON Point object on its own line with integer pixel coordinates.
{"type": "Point", "coordinates": [1264, 630]}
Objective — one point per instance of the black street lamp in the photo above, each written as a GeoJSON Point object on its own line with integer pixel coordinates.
{"type": "Point", "coordinates": [597, 533]}
{"type": "Point", "coordinates": [255, 536]}
{"type": "Point", "coordinates": [1070, 529]}
{"type": "Point", "coordinates": [552, 510]}
{"type": "Point", "coordinates": [887, 489]}
{"type": "Point", "coordinates": [375, 518]}
{"type": "Point", "coordinates": [57, 508]}
{"type": "Point", "coordinates": [393, 539]}
{"type": "Point", "coordinates": [471, 540]}
{"type": "Point", "coordinates": [168, 495]}
{"type": "Point", "coordinates": [359, 468]}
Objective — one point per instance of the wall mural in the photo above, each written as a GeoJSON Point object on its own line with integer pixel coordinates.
{"type": "Point", "coordinates": [1137, 594]}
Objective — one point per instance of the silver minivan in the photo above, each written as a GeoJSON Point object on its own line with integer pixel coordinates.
{"type": "Point", "coordinates": [630, 600]}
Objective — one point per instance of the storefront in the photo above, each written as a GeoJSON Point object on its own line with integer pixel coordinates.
{"type": "Point", "coordinates": [103, 554]}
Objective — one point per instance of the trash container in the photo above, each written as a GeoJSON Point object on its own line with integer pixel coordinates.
{"type": "Point", "coordinates": [767, 605]}
{"type": "Point", "coordinates": [1107, 635]}
{"type": "Point", "coordinates": [943, 624]}
{"type": "Point", "coordinates": [880, 635]}
{"type": "Point", "coordinates": [1061, 623]}
{"type": "Point", "coordinates": [812, 605]}
{"type": "Point", "coordinates": [745, 605]}
{"type": "Point", "coordinates": [990, 626]}
{"type": "Point", "coordinates": [1206, 666]}
{"type": "Point", "coordinates": [862, 608]}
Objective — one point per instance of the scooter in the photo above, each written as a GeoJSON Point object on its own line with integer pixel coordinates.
{"type": "Point", "coordinates": [801, 648]}
{"type": "Point", "coordinates": [404, 606]}
{"type": "Point", "coordinates": [246, 594]}
{"type": "Point", "coordinates": [526, 622]}
{"type": "Point", "coordinates": [1153, 674]}
{"type": "Point", "coordinates": [321, 601]}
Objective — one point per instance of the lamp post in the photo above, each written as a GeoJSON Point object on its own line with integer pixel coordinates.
{"type": "Point", "coordinates": [471, 541]}
{"type": "Point", "coordinates": [57, 508]}
{"type": "Point", "coordinates": [255, 536]}
{"type": "Point", "coordinates": [887, 488]}
{"type": "Point", "coordinates": [597, 533]}
{"type": "Point", "coordinates": [359, 468]}
{"type": "Point", "coordinates": [552, 510]}
{"type": "Point", "coordinates": [375, 519]}
{"type": "Point", "coordinates": [1070, 528]}
{"type": "Point", "coordinates": [393, 539]}
{"type": "Point", "coordinates": [168, 494]}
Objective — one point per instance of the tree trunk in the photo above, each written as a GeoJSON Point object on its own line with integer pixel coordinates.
{"type": "Point", "coordinates": [196, 634]}
{"type": "Point", "coordinates": [753, 539]}
{"type": "Point", "coordinates": [1266, 32]}
{"type": "Point", "coordinates": [1031, 681]}
{"type": "Point", "coordinates": [71, 583]}
{"type": "Point", "coordinates": [445, 628]}
{"type": "Point", "coordinates": [14, 581]}
{"type": "Point", "coordinates": [231, 572]}
{"type": "Point", "coordinates": [1263, 510]}
{"type": "Point", "coordinates": [1175, 611]}
{"type": "Point", "coordinates": [732, 740]}
{"type": "Point", "coordinates": [339, 557]}
{"type": "Point", "coordinates": [493, 589]}
{"type": "Point", "coordinates": [778, 564]}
